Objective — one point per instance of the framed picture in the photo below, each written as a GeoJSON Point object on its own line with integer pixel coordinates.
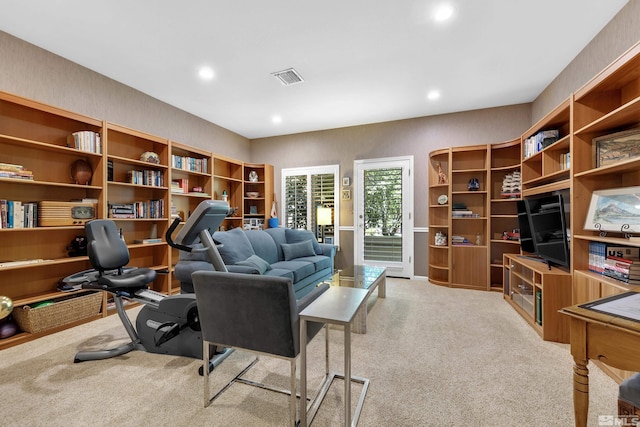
{"type": "Point", "coordinates": [346, 181]}
{"type": "Point", "coordinates": [346, 194]}
{"type": "Point", "coordinates": [616, 147]}
{"type": "Point", "coordinates": [617, 210]}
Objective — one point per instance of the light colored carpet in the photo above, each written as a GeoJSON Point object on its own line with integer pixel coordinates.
{"type": "Point", "coordinates": [435, 356]}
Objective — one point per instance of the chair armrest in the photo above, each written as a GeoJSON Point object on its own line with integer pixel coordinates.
{"type": "Point", "coordinates": [242, 269]}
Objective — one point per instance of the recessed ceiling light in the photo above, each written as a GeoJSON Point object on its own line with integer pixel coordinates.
{"type": "Point", "coordinates": [443, 12]}
{"type": "Point", "coordinates": [206, 73]}
{"type": "Point", "coordinates": [432, 95]}
{"type": "Point", "coordinates": [276, 119]}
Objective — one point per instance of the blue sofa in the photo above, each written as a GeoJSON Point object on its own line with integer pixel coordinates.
{"type": "Point", "coordinates": [280, 252]}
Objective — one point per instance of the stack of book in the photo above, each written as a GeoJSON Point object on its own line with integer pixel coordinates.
{"type": "Point", "coordinates": [540, 140]}
{"type": "Point", "coordinates": [85, 140]}
{"type": "Point", "coordinates": [17, 214]}
{"type": "Point", "coordinates": [460, 241]}
{"type": "Point", "coordinates": [189, 163]}
{"type": "Point", "coordinates": [180, 185]}
{"type": "Point", "coordinates": [623, 269]}
{"type": "Point", "coordinates": [460, 210]}
{"type": "Point", "coordinates": [600, 251]}
{"type": "Point", "coordinates": [9, 170]}
{"type": "Point", "coordinates": [618, 262]}
{"type": "Point", "coordinates": [152, 178]}
{"type": "Point", "coordinates": [122, 210]}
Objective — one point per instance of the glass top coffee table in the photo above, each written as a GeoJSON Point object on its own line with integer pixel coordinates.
{"type": "Point", "coordinates": [364, 277]}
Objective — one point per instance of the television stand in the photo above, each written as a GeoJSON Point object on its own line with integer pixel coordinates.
{"type": "Point", "coordinates": [537, 293]}
{"type": "Point", "coordinates": [537, 259]}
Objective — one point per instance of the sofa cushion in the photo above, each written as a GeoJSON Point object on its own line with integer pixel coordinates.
{"type": "Point", "coordinates": [320, 262]}
{"type": "Point", "coordinates": [235, 245]}
{"type": "Point", "coordinates": [298, 235]}
{"type": "Point", "coordinates": [263, 245]}
{"type": "Point", "coordinates": [255, 261]}
{"type": "Point", "coordinates": [300, 269]}
{"type": "Point", "coordinates": [278, 236]}
{"type": "Point", "coordinates": [297, 250]}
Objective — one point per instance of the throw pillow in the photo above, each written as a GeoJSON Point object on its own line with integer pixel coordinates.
{"type": "Point", "coordinates": [258, 263]}
{"type": "Point", "coordinates": [235, 245]}
{"type": "Point", "coordinates": [297, 250]}
{"type": "Point", "coordinates": [298, 235]}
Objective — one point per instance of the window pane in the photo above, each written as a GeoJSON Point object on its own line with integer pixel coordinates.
{"type": "Point", "coordinates": [296, 201]}
{"type": "Point", "coordinates": [322, 195]}
{"type": "Point", "coordinates": [383, 214]}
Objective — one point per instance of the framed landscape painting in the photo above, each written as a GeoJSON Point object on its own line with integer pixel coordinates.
{"type": "Point", "coordinates": [617, 209]}
{"type": "Point", "coordinates": [617, 147]}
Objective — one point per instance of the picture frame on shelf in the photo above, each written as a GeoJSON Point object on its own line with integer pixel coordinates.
{"type": "Point", "coordinates": [616, 210]}
{"type": "Point", "coordinates": [616, 147]}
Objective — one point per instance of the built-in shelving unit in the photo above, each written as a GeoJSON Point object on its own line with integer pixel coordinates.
{"type": "Point", "coordinates": [466, 230]}
{"type": "Point", "coordinates": [469, 261]}
{"type": "Point", "coordinates": [34, 136]}
{"type": "Point", "coordinates": [545, 171]}
{"type": "Point", "coordinates": [151, 204]}
{"type": "Point", "coordinates": [191, 183]}
{"type": "Point", "coordinates": [607, 104]}
{"type": "Point", "coordinates": [228, 183]}
{"type": "Point", "coordinates": [439, 218]}
{"type": "Point", "coordinates": [538, 293]}
{"type": "Point", "coordinates": [258, 195]}
{"type": "Point", "coordinates": [505, 160]}
{"type": "Point", "coordinates": [129, 175]}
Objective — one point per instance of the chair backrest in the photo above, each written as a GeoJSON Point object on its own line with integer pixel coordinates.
{"type": "Point", "coordinates": [248, 311]}
{"type": "Point", "coordinates": [106, 250]}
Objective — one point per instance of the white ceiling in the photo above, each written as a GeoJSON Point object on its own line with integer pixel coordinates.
{"type": "Point", "coordinates": [363, 61]}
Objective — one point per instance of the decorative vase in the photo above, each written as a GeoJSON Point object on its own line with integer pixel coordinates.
{"type": "Point", "coordinates": [81, 172]}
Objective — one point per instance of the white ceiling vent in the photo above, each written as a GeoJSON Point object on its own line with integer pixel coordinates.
{"type": "Point", "coordinates": [288, 77]}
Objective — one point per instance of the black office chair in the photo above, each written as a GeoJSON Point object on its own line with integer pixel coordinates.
{"type": "Point", "coordinates": [109, 255]}
{"type": "Point", "coordinates": [255, 313]}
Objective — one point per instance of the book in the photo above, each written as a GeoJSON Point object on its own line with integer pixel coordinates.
{"type": "Point", "coordinates": [148, 240]}
{"type": "Point", "coordinates": [21, 262]}
{"type": "Point", "coordinates": [623, 251]}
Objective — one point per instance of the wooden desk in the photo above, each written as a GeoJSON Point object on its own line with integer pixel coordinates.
{"type": "Point", "coordinates": [598, 336]}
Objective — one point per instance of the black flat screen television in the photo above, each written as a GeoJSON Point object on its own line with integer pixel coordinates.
{"type": "Point", "coordinates": [543, 228]}
{"type": "Point", "coordinates": [526, 241]}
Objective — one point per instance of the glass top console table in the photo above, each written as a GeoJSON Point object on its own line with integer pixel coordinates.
{"type": "Point", "coordinates": [363, 277]}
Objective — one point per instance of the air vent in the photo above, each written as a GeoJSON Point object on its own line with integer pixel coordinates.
{"type": "Point", "coordinates": [288, 77]}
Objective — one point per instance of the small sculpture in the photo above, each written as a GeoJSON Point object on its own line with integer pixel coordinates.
{"type": "Point", "coordinates": [78, 246]}
{"type": "Point", "coordinates": [150, 157]}
{"type": "Point", "coordinates": [474, 184]}
{"type": "Point", "coordinates": [442, 178]}
{"type": "Point", "coordinates": [81, 172]}
{"type": "Point", "coordinates": [6, 306]}
{"type": "Point", "coordinates": [253, 176]}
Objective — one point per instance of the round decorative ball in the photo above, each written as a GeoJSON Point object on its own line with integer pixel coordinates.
{"type": "Point", "coordinates": [150, 157]}
{"type": "Point", "coordinates": [81, 172]}
{"type": "Point", "coordinates": [8, 328]}
{"type": "Point", "coordinates": [6, 306]}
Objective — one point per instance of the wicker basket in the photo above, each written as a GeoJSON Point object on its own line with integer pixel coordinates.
{"type": "Point", "coordinates": [63, 311]}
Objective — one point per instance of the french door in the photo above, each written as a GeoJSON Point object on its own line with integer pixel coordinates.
{"type": "Point", "coordinates": [383, 214]}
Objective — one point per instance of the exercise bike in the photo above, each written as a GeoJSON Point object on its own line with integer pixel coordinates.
{"type": "Point", "coordinates": [165, 324]}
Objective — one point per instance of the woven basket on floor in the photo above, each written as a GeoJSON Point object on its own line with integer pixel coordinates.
{"type": "Point", "coordinates": [64, 310]}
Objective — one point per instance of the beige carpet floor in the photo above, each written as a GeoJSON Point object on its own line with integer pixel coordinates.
{"type": "Point", "coordinates": [435, 356]}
